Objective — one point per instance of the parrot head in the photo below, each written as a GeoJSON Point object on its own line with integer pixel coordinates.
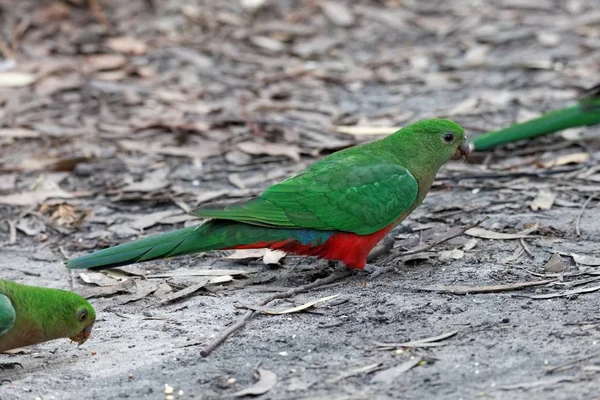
{"type": "Point", "coordinates": [431, 142]}
{"type": "Point", "coordinates": [81, 320]}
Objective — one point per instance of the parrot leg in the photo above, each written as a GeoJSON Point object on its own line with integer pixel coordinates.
{"type": "Point", "coordinates": [374, 271]}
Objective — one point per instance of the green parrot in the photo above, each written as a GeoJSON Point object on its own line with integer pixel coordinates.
{"type": "Point", "coordinates": [31, 315]}
{"type": "Point", "coordinates": [585, 113]}
{"type": "Point", "coordinates": [337, 209]}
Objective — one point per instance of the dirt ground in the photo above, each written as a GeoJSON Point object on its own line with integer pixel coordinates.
{"type": "Point", "coordinates": [116, 119]}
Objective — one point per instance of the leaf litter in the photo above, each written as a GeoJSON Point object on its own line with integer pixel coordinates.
{"type": "Point", "coordinates": [111, 103]}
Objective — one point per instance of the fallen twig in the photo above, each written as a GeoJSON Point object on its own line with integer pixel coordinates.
{"type": "Point", "coordinates": [486, 289]}
{"type": "Point", "coordinates": [205, 352]}
{"type": "Point", "coordinates": [443, 240]}
{"type": "Point", "coordinates": [526, 248]}
{"type": "Point", "coordinates": [570, 364]}
{"type": "Point", "coordinates": [367, 369]}
{"type": "Point", "coordinates": [561, 294]}
{"type": "Point", "coordinates": [302, 307]}
{"type": "Point", "coordinates": [536, 384]}
{"type": "Point", "coordinates": [425, 342]}
{"type": "Point", "coordinates": [578, 220]}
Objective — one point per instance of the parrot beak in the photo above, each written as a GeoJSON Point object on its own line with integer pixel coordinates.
{"type": "Point", "coordinates": [84, 335]}
{"type": "Point", "coordinates": [462, 151]}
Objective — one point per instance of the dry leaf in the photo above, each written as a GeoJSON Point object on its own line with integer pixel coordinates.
{"type": "Point", "coordinates": [131, 270]}
{"type": "Point", "coordinates": [455, 254]}
{"type": "Point", "coordinates": [555, 264]}
{"type": "Point", "coordinates": [391, 374]}
{"type": "Point", "coordinates": [149, 220]}
{"type": "Point", "coordinates": [271, 149]}
{"type": "Point", "coordinates": [195, 151]}
{"type": "Point", "coordinates": [476, 56]}
{"type": "Point", "coordinates": [18, 133]}
{"type": "Point", "coordinates": [543, 200]}
{"type": "Point", "coordinates": [465, 107]}
{"type": "Point", "coordinates": [153, 181]}
{"type": "Point", "coordinates": [471, 243]}
{"type": "Point", "coordinates": [586, 260]}
{"type": "Point", "coordinates": [195, 287]}
{"type": "Point", "coordinates": [103, 62]}
{"type": "Point", "coordinates": [98, 279]}
{"type": "Point", "coordinates": [567, 293]}
{"type": "Point", "coordinates": [54, 11]}
{"type": "Point", "coordinates": [127, 286]}
{"type": "Point", "coordinates": [338, 13]}
{"type": "Point", "coordinates": [185, 292]}
{"type": "Point", "coordinates": [483, 233]}
{"type": "Point", "coordinates": [366, 130]}
{"type": "Point", "coordinates": [33, 198]}
{"type": "Point", "coordinates": [11, 79]}
{"type": "Point", "coordinates": [572, 158]}
{"type": "Point", "coordinates": [267, 43]}
{"type": "Point", "coordinates": [548, 39]}
{"type": "Point", "coordinates": [143, 289]}
{"type": "Point", "coordinates": [301, 307]}
{"type": "Point", "coordinates": [127, 45]}
{"type": "Point", "coordinates": [252, 4]}
{"type": "Point", "coordinates": [199, 272]}
{"type": "Point", "coordinates": [31, 226]}
{"type": "Point", "coordinates": [266, 381]}
{"type": "Point", "coordinates": [66, 215]}
{"type": "Point", "coordinates": [19, 350]}
{"type": "Point", "coordinates": [50, 85]}
{"type": "Point", "coordinates": [248, 254]}
{"type": "Point", "coordinates": [273, 256]}
{"type": "Point", "coordinates": [431, 341]}
{"type": "Point", "coordinates": [316, 46]}
{"type": "Point", "coordinates": [367, 369]}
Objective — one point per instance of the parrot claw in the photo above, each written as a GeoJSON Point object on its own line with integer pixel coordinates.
{"type": "Point", "coordinates": [374, 271]}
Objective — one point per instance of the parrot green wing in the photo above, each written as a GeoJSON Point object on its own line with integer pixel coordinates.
{"type": "Point", "coordinates": [353, 194]}
{"type": "Point", "coordinates": [7, 315]}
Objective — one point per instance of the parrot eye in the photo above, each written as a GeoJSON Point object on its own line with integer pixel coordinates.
{"type": "Point", "coordinates": [82, 315]}
{"type": "Point", "coordinates": [448, 137]}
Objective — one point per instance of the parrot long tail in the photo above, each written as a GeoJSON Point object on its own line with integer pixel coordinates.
{"type": "Point", "coordinates": [585, 113]}
{"type": "Point", "coordinates": [212, 235]}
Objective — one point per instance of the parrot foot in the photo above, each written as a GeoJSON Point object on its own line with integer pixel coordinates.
{"type": "Point", "coordinates": [374, 271]}
{"type": "Point", "coordinates": [4, 366]}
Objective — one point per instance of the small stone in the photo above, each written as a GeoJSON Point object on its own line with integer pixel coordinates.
{"type": "Point", "coordinates": [168, 389]}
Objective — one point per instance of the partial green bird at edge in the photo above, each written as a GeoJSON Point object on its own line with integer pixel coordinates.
{"type": "Point", "coordinates": [31, 315]}
{"type": "Point", "coordinates": [339, 208]}
{"type": "Point", "coordinates": [585, 113]}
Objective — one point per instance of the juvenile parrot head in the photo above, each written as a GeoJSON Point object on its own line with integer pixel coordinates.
{"type": "Point", "coordinates": [79, 318]}
{"type": "Point", "coordinates": [431, 142]}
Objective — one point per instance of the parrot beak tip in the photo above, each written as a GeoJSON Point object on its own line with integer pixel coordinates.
{"type": "Point", "coordinates": [463, 151]}
{"type": "Point", "coordinates": [82, 336]}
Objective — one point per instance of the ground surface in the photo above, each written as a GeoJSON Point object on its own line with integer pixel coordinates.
{"type": "Point", "coordinates": [125, 117]}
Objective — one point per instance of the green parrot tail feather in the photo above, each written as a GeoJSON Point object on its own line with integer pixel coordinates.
{"type": "Point", "coordinates": [586, 113]}
{"type": "Point", "coordinates": [182, 241]}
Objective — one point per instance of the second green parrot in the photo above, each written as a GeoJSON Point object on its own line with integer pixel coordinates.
{"type": "Point", "coordinates": [337, 209]}
{"type": "Point", "coordinates": [585, 113]}
{"type": "Point", "coordinates": [31, 315]}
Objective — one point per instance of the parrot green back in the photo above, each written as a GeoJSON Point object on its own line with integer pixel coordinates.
{"type": "Point", "coordinates": [41, 314]}
{"type": "Point", "coordinates": [360, 190]}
